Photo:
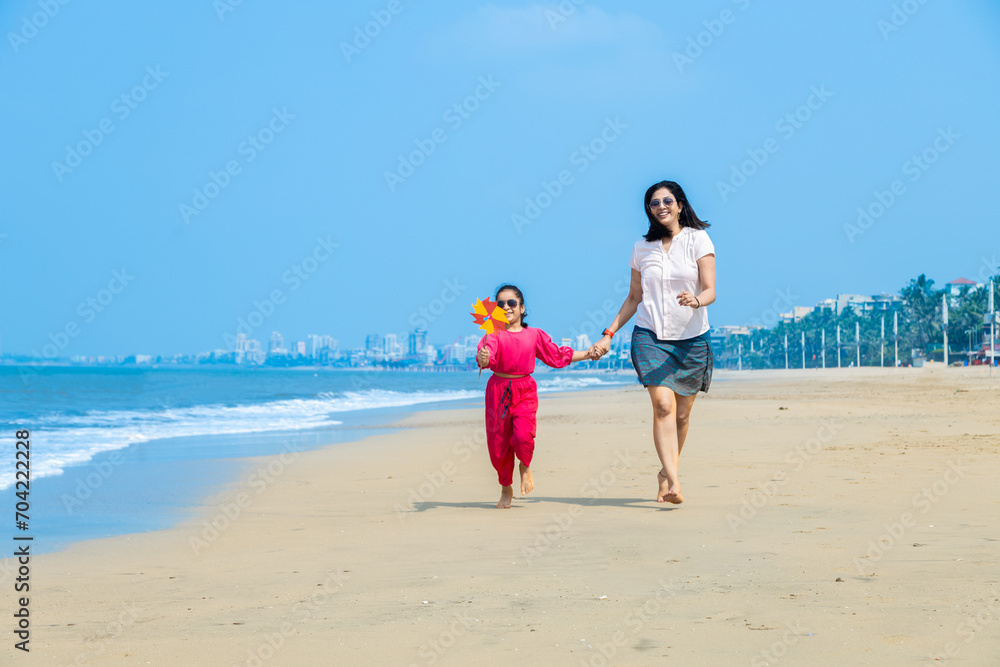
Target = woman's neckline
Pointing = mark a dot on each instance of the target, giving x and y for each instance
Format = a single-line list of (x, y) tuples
[(671, 239), (679, 232)]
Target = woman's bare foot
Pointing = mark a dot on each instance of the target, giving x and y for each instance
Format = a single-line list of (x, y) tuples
[(666, 494), (527, 482), (506, 495)]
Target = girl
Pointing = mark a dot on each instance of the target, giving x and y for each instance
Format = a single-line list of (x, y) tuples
[(511, 395)]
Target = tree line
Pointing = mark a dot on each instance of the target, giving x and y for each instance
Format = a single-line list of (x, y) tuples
[(920, 332)]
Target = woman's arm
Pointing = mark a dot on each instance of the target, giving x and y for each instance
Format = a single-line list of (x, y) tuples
[(625, 313), (706, 275)]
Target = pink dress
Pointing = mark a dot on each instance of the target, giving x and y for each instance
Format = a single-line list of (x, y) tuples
[(512, 403)]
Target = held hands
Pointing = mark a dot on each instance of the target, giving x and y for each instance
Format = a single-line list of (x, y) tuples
[(600, 348), (483, 358), (685, 298)]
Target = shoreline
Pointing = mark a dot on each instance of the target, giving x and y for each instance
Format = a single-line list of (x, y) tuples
[(161, 480), (328, 559)]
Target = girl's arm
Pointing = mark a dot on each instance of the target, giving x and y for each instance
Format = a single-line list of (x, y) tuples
[(580, 355), (554, 355), (487, 354), (625, 313)]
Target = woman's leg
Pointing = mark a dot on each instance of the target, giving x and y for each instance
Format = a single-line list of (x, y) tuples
[(665, 439), (684, 405)]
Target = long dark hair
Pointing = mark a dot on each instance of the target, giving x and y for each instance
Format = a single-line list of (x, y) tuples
[(688, 217), (520, 297)]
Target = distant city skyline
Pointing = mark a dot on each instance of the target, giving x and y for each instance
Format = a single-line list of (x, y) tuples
[(390, 346)]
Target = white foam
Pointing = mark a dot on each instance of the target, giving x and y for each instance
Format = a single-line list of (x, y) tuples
[(60, 441), (563, 383), (380, 398)]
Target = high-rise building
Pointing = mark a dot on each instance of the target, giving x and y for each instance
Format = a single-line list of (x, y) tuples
[(457, 352), (254, 353), (323, 348), (391, 347), (417, 342), (277, 344), (240, 348), (315, 345)]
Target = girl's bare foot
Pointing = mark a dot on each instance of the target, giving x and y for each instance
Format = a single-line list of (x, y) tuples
[(506, 495), (666, 494), (527, 482)]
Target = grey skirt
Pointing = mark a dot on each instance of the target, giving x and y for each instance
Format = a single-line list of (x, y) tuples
[(683, 365)]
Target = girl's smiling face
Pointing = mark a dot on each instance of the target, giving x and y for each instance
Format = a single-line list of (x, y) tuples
[(513, 313)]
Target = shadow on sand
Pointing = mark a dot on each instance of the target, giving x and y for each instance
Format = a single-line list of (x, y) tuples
[(533, 500)]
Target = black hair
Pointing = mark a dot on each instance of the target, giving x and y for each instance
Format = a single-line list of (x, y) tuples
[(688, 217), (520, 297)]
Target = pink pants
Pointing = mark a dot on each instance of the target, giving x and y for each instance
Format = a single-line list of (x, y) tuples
[(511, 405)]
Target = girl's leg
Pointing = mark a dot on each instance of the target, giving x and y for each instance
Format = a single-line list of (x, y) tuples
[(502, 457), (523, 413), (523, 438), (501, 453), (506, 497), (498, 441), (665, 439)]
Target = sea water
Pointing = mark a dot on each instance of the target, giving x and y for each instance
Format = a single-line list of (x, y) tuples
[(118, 450)]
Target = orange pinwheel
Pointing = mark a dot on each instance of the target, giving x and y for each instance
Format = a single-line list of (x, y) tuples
[(489, 316)]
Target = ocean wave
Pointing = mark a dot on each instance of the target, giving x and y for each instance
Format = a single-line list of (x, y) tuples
[(562, 383), (383, 398), (64, 440)]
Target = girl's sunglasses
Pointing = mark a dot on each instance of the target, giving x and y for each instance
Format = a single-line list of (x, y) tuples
[(509, 302)]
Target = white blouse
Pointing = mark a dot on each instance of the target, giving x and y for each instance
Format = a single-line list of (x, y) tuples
[(667, 273)]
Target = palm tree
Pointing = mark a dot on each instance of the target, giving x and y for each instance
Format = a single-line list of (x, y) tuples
[(920, 313)]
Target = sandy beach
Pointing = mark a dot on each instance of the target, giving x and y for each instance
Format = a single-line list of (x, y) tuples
[(831, 517)]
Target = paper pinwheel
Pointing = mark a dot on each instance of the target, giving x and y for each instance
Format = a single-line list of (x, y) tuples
[(489, 316)]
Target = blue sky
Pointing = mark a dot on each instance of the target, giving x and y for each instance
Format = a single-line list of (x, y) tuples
[(245, 170)]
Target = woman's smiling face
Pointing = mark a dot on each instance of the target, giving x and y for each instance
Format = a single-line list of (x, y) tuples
[(664, 207)]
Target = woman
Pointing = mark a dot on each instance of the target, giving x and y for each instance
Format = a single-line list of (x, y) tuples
[(673, 281)]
